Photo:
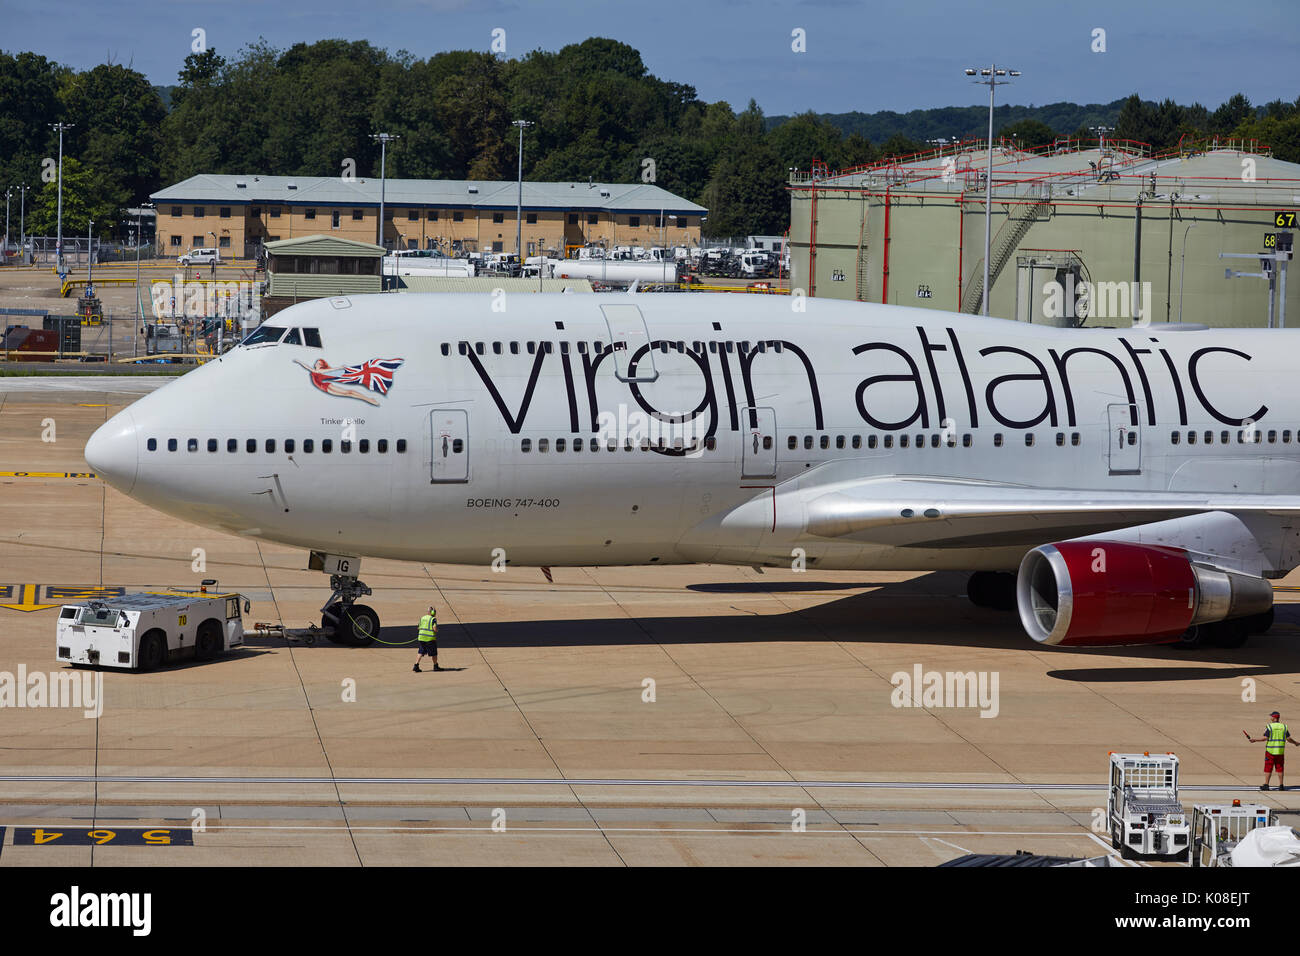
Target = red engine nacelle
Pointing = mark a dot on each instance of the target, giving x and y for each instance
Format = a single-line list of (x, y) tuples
[(1104, 593)]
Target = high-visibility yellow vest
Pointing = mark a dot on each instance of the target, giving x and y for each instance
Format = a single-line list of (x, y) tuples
[(1276, 738), (428, 628)]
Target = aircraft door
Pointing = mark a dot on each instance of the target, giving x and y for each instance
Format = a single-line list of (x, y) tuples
[(758, 443), (1125, 442), (449, 447)]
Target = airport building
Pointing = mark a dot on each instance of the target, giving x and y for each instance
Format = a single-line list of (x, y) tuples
[(1098, 233), (239, 213)]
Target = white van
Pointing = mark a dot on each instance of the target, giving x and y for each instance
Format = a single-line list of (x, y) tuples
[(199, 257)]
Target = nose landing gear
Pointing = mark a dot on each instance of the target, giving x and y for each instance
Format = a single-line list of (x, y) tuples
[(345, 621)]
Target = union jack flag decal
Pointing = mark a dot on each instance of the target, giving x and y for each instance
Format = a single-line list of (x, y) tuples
[(375, 375)]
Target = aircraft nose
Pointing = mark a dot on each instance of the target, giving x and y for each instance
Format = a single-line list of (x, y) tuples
[(113, 451)]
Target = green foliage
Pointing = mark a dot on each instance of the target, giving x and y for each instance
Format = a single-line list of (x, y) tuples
[(598, 115), (86, 195)]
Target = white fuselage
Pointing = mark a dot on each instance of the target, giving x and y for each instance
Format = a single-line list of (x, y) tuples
[(493, 397)]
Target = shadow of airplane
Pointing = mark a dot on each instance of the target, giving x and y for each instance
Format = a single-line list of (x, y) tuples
[(927, 611)]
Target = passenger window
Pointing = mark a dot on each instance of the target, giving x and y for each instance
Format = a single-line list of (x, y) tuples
[(478, 348), (212, 444), (326, 446), (1132, 438), (577, 444), (559, 444), (1174, 436), (532, 348), (934, 441), (292, 338), (767, 443), (1224, 438), (1191, 438), (857, 441), (543, 444), (1286, 437), (997, 440), (710, 443), (308, 446), (1029, 439), (597, 347), (889, 441), (401, 446), (582, 348), (270, 445), (807, 442), (1074, 438), (525, 445), (549, 346), (457, 446), (345, 446), (381, 446), (289, 446), (825, 441), (462, 348), (1272, 437), (232, 444), (792, 442), (612, 444), (839, 441), (152, 444), (1060, 439), (363, 445), (446, 349), (966, 440), (496, 348), (1209, 438), (250, 445), (904, 441), (192, 444), (871, 441), (514, 348)]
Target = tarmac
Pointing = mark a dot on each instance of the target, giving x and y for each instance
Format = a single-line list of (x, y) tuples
[(697, 715)]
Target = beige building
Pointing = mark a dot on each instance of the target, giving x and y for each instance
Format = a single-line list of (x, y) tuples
[(238, 214)]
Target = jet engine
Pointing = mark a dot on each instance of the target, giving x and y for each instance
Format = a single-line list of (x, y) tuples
[(1103, 593)]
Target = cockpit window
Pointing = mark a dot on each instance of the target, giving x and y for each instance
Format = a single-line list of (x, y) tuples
[(292, 338), (263, 335), (311, 338)]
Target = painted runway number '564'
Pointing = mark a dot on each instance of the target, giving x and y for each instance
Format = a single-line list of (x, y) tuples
[(85, 836)]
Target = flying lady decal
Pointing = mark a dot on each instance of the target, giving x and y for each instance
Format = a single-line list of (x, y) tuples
[(375, 375)]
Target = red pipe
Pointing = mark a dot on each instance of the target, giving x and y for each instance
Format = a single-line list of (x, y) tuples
[(961, 242)]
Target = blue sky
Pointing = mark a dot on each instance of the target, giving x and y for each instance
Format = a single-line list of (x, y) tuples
[(887, 54)]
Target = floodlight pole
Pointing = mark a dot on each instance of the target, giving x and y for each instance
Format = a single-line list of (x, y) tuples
[(58, 254), (521, 125), (383, 140), (992, 83)]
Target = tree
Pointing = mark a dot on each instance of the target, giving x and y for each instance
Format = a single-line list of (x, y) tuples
[(1029, 133), (85, 197)]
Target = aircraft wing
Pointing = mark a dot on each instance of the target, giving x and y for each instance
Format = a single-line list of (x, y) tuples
[(921, 512), (937, 513)]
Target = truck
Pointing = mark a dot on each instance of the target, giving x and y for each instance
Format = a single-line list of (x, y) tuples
[(146, 629), (1142, 807), (1218, 828)]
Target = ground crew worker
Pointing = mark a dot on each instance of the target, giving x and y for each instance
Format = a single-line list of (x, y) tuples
[(428, 639), (1275, 740)]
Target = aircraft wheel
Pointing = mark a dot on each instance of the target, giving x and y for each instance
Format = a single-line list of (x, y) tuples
[(1260, 623), (1192, 638), (358, 625), (992, 589), (1230, 634), (334, 625), (975, 589)]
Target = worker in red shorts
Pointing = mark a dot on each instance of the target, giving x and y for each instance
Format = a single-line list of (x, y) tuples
[(1275, 740)]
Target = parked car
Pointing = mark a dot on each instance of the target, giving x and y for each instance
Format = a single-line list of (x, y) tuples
[(199, 257)]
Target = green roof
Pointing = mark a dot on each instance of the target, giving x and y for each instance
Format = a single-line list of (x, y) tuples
[(324, 246)]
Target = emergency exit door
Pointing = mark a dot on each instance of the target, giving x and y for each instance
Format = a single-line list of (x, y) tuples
[(449, 434), (758, 442), (1125, 440)]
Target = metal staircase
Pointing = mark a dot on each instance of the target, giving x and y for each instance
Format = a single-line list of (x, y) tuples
[(1004, 244)]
